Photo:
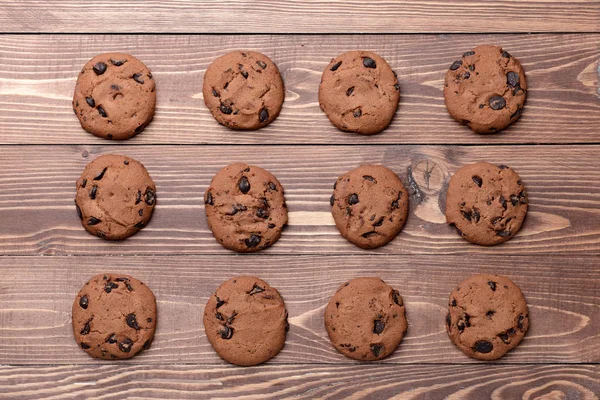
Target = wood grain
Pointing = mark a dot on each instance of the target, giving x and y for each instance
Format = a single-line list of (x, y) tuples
[(299, 16), (36, 295), (37, 188), (38, 73), (303, 382)]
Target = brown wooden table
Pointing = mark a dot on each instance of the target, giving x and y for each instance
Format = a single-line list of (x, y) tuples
[(46, 256)]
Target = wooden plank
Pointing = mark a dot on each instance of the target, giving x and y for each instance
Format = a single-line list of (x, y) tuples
[(563, 294), (299, 16), (302, 381), (38, 73), (37, 188)]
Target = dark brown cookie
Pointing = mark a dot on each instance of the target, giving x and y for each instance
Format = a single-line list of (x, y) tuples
[(487, 204), (369, 205), (115, 197), (246, 321), (486, 89), (487, 316), (114, 316), (359, 92), (243, 90), (245, 208), (365, 319), (115, 96)]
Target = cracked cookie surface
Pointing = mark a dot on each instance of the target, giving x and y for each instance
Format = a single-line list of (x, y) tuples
[(365, 319), (243, 90), (487, 316), (115, 96), (486, 203), (486, 89), (245, 208), (369, 205), (115, 197), (246, 321), (114, 316), (359, 92)]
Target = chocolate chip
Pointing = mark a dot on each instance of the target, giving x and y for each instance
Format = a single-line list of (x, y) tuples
[(369, 62), (244, 185), (523, 197), (357, 113), (505, 54), (244, 74), (460, 325), (112, 339), (256, 289), (478, 181), (125, 345), (455, 65), (517, 113), (93, 221), (209, 199), (475, 215), (110, 286), (126, 162), (93, 192), (483, 346), (225, 109), (379, 222), (85, 346), (514, 199), (261, 64), (503, 201), (492, 285), (349, 91), (102, 112), (467, 320), (90, 101), (376, 349), (271, 226), (468, 53), (83, 302), (146, 345), (466, 75), (448, 320), (150, 196), (512, 78), (215, 93), (332, 199), (503, 233), (353, 199), (336, 66), (226, 333), (138, 197), (99, 68), (466, 215), (520, 322), (471, 67), (378, 326), (367, 234), (497, 103), (453, 304), (132, 322), (139, 225), (219, 302), (369, 178), (504, 337), (397, 86), (397, 298), (263, 115), (138, 78), (253, 241), (117, 63), (490, 313), (101, 174)]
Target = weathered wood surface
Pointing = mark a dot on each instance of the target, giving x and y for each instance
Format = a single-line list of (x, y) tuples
[(38, 73), (37, 188), (457, 382), (303, 16), (36, 295)]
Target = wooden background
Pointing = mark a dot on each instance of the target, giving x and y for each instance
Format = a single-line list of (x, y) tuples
[(46, 256)]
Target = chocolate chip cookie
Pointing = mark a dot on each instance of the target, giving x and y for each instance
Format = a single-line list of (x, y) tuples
[(115, 96), (487, 316), (246, 321), (485, 89), (369, 205), (365, 319), (359, 92), (115, 197), (245, 208), (114, 316), (485, 203), (243, 90)]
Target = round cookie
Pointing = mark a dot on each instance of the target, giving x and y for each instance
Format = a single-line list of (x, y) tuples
[(243, 90), (246, 321), (487, 204), (487, 316), (115, 197), (486, 89), (115, 96), (369, 205), (359, 92), (114, 316), (245, 208), (365, 319)]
